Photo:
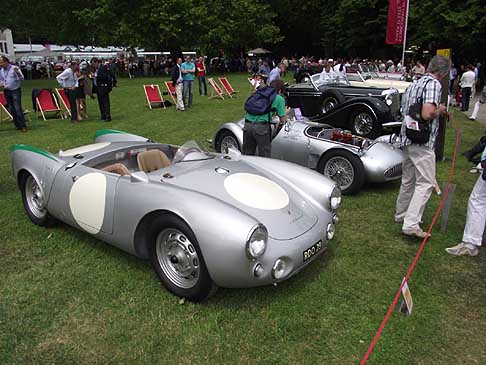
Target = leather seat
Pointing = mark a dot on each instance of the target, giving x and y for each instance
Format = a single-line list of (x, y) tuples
[(152, 160), (117, 168)]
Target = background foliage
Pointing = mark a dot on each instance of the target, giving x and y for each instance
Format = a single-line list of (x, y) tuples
[(351, 27)]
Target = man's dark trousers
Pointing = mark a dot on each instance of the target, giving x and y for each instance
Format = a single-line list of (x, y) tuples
[(466, 95), (71, 94), (14, 105), (104, 103), (256, 136)]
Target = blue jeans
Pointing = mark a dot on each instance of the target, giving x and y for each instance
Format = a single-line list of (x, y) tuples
[(14, 105), (187, 86)]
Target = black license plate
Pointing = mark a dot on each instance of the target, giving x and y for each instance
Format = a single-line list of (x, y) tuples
[(313, 250)]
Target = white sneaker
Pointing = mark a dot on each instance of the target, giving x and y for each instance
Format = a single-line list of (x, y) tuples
[(419, 233), (471, 118), (463, 249)]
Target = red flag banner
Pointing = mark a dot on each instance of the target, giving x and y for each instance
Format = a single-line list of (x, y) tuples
[(397, 18)]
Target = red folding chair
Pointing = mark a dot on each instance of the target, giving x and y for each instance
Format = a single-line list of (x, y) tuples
[(227, 86), (215, 88), (46, 103), (64, 101), (172, 91), (153, 95), (4, 113)]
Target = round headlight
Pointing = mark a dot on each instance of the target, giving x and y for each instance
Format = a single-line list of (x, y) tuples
[(335, 198), (278, 269), (330, 231), (257, 242)]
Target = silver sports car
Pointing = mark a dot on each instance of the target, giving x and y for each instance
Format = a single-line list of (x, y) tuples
[(204, 220), (347, 159)]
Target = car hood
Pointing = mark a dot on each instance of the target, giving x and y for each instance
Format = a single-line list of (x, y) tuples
[(401, 86), (284, 212)]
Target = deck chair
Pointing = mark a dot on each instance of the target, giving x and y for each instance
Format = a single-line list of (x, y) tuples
[(153, 95), (4, 113), (46, 103), (64, 101), (227, 86), (172, 91), (215, 88)]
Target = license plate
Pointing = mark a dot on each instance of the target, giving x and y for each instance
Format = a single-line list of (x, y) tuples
[(313, 250)]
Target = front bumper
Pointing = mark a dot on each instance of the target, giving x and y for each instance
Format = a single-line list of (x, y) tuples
[(291, 251)]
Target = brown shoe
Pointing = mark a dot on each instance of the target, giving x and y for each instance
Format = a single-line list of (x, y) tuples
[(23, 130)]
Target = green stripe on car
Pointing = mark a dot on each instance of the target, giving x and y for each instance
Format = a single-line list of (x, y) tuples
[(25, 147)]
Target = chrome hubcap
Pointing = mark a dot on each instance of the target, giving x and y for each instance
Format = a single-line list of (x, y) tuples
[(178, 258), (228, 142), (363, 124), (35, 198), (329, 104), (340, 170)]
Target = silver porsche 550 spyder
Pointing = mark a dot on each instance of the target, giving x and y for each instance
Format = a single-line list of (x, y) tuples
[(347, 159), (204, 220)]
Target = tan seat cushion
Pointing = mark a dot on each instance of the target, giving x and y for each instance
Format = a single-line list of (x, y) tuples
[(152, 160), (117, 168)]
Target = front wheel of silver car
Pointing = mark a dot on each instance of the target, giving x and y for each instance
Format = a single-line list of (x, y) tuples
[(345, 169), (225, 141), (34, 201), (178, 261)]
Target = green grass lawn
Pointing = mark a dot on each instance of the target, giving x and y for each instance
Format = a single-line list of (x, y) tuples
[(66, 297)]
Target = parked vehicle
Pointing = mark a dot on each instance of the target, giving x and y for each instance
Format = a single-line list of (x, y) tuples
[(203, 219)]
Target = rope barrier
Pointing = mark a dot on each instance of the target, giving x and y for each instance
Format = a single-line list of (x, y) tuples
[(419, 252)]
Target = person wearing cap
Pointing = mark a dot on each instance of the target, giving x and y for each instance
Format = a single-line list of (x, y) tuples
[(482, 100)]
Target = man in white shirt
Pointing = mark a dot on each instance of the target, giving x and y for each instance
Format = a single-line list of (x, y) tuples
[(69, 81), (340, 68), (328, 73), (467, 81)]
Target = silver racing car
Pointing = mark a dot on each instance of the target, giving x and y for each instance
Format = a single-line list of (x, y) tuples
[(347, 159), (203, 219)]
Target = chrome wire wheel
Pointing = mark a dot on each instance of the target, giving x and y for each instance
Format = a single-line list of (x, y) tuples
[(340, 170), (177, 258), (330, 103), (363, 124), (227, 142), (35, 198)]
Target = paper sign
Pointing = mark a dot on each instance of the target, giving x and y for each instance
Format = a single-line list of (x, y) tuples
[(407, 296), (446, 52)]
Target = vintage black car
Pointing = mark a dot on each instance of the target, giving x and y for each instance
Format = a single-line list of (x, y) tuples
[(366, 111)]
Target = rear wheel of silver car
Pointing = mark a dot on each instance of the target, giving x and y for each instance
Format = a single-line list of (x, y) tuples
[(178, 261), (34, 201), (364, 124), (226, 140), (345, 169)]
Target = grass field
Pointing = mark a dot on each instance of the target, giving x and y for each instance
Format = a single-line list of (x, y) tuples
[(66, 297)]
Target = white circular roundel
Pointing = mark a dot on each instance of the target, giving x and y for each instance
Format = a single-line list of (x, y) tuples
[(256, 191), (87, 201), (84, 149)]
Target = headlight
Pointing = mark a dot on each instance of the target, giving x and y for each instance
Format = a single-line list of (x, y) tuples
[(257, 242), (278, 269), (335, 198)]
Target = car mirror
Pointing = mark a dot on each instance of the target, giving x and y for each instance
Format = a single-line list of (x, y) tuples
[(139, 177)]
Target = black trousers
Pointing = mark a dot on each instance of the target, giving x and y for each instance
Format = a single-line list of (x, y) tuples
[(104, 104), (71, 94), (466, 95), (257, 136)]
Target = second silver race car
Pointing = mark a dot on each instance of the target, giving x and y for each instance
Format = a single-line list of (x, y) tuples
[(347, 159)]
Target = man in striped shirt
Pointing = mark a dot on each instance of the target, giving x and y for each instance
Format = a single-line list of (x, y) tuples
[(418, 169)]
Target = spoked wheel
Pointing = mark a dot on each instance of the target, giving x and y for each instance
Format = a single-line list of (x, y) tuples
[(35, 201), (178, 261), (364, 123), (227, 140), (345, 169)]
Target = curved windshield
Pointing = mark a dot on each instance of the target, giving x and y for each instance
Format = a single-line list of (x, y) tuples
[(321, 79), (191, 151)]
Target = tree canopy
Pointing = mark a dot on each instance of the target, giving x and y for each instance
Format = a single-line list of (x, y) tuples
[(346, 27)]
